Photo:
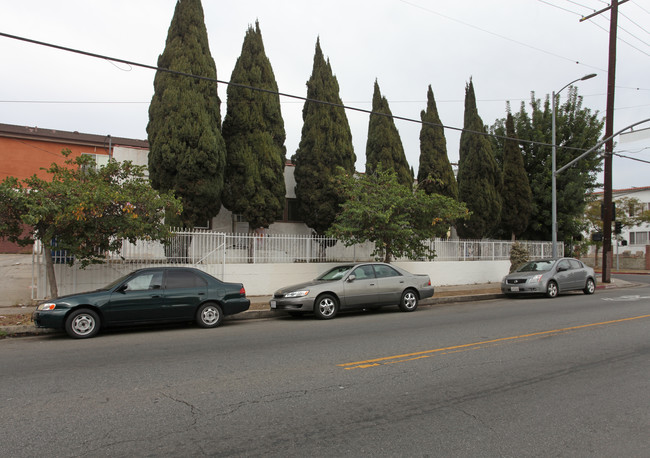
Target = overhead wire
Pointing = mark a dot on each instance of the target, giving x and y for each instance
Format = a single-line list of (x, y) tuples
[(281, 94), (269, 91), (467, 24), (600, 26)]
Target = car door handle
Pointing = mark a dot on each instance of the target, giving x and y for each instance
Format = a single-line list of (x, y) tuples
[(372, 284), (201, 294), (155, 296)]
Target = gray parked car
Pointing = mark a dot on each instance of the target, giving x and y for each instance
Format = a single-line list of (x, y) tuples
[(550, 277), (354, 286)]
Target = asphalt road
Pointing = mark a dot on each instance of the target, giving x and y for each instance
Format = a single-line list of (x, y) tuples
[(530, 377)]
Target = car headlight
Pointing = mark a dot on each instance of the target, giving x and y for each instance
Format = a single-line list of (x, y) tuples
[(47, 306), (300, 293), (535, 279)]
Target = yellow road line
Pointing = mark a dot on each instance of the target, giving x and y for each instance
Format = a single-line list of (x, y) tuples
[(426, 353)]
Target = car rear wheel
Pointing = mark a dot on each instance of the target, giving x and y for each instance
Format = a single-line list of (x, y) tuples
[(209, 315), (590, 287), (409, 301), (82, 324), (551, 289), (326, 307)]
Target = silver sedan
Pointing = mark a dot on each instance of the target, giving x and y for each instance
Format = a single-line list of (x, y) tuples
[(550, 277), (354, 286)]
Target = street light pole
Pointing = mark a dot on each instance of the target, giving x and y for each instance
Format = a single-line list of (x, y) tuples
[(554, 166)]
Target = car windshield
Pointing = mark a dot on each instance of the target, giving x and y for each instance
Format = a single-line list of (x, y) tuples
[(536, 266), (335, 274)]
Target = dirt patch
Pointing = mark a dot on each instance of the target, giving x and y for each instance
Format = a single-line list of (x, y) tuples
[(16, 319)]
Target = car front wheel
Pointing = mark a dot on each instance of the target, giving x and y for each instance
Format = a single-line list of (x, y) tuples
[(209, 315), (551, 289), (326, 307), (590, 287), (82, 324), (409, 301)]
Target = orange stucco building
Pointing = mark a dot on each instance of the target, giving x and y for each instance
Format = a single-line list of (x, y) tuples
[(25, 151)]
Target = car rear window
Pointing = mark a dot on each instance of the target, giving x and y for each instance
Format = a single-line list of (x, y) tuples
[(183, 279)]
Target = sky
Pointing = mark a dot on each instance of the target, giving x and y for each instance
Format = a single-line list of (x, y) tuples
[(509, 48)]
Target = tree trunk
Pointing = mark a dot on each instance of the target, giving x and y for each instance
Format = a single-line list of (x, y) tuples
[(387, 254), (49, 269)]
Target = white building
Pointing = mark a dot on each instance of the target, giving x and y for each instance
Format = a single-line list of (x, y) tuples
[(289, 224), (632, 239)]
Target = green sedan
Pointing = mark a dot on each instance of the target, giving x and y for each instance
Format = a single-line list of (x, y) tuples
[(152, 295)]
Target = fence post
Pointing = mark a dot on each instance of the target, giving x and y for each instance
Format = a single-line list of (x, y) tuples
[(254, 242)]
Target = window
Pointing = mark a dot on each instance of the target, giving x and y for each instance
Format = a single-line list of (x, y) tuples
[(183, 279), (363, 272), (638, 238), (575, 264), (385, 271), (100, 159), (144, 281)]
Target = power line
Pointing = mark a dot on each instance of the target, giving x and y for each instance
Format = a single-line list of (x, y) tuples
[(603, 28), (503, 37), (269, 91), (631, 158)]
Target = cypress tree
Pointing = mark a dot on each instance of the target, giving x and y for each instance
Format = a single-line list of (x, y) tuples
[(435, 174), (254, 132), (479, 177), (384, 145), (187, 152), (325, 145), (516, 193)]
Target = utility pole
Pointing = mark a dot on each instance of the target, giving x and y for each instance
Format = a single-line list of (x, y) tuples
[(609, 146)]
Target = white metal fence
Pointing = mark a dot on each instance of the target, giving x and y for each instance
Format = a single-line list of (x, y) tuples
[(207, 247), (213, 251)]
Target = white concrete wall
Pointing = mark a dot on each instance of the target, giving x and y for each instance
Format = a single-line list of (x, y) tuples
[(264, 279), (138, 156)]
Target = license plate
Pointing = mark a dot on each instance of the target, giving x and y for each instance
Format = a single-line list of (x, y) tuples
[(273, 304), (514, 288)]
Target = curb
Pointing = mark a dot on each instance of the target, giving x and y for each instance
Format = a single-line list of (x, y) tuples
[(28, 331)]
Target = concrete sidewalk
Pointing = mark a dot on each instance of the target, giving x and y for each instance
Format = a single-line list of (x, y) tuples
[(260, 308)]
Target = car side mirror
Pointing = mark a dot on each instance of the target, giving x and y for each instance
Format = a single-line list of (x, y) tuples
[(562, 269), (122, 288), (352, 277)]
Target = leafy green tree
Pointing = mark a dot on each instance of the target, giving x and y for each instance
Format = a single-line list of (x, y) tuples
[(577, 129), (254, 132), (516, 192), (629, 213), (435, 175), (325, 145), (479, 176), (384, 144), (84, 209), (187, 152), (395, 217)]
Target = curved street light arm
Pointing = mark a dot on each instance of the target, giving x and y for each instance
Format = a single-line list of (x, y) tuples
[(598, 145)]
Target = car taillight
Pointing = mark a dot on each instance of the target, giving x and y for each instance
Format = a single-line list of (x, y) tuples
[(242, 291)]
